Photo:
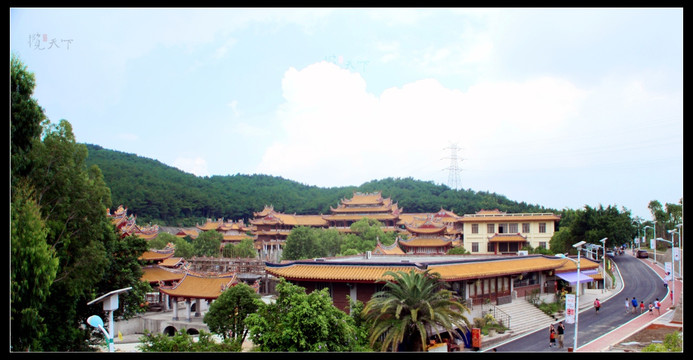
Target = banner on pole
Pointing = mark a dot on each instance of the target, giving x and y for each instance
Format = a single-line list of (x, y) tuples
[(667, 270), (570, 308)]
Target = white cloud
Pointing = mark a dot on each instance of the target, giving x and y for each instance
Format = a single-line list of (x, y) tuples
[(234, 107), (224, 48), (337, 133), (196, 166)]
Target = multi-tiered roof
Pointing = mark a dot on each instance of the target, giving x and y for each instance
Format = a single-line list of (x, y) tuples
[(364, 205), (428, 237)]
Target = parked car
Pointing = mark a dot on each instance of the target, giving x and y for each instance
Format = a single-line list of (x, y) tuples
[(642, 254), (610, 254)]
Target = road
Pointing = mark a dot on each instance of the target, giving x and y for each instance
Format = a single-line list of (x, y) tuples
[(638, 280)]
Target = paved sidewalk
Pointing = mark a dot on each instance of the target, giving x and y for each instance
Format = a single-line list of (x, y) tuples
[(614, 337)]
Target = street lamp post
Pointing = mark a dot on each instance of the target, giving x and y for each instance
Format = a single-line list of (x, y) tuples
[(654, 235), (96, 322), (680, 226), (638, 238), (673, 275), (603, 241), (578, 246)]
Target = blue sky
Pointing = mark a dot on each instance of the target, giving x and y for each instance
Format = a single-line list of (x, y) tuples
[(557, 107)]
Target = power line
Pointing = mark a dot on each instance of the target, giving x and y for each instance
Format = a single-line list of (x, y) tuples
[(454, 170)]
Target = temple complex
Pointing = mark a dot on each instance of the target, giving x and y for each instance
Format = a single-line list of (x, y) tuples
[(484, 232)]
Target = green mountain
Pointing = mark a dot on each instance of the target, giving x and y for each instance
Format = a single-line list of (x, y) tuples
[(160, 194)]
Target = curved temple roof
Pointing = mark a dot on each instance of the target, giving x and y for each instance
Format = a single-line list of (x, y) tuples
[(451, 270)]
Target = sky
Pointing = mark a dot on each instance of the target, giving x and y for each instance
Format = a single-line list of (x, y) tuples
[(560, 107)]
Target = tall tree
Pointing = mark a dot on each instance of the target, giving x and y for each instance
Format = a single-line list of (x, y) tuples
[(302, 322), (591, 225), (410, 304), (226, 315), (73, 202), (302, 243), (26, 117), (208, 244), (33, 268)]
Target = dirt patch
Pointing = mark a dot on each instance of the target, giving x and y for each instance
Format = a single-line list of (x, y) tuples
[(644, 337)]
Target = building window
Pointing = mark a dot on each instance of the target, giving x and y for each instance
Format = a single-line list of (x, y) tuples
[(491, 247), (502, 228), (542, 227), (525, 227), (542, 244), (475, 247), (526, 280), (513, 228), (475, 228), (491, 228)]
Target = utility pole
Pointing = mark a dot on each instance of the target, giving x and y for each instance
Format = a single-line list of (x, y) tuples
[(453, 170)]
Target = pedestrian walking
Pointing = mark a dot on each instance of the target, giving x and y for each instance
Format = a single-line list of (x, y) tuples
[(597, 305), (657, 305), (560, 331), (552, 336), (634, 303), (651, 307), (642, 307), (627, 306)]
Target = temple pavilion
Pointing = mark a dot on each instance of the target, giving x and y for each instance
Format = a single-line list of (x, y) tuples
[(364, 205), (428, 237)]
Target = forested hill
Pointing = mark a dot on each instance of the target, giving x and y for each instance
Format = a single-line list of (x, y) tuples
[(164, 195)]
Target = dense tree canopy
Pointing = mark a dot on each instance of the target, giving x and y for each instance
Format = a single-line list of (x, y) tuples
[(591, 225), (34, 266), (50, 175), (226, 315), (208, 243), (164, 195), (303, 322)]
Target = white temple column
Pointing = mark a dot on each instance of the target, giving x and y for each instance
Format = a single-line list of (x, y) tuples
[(198, 311), (188, 305), (175, 309)]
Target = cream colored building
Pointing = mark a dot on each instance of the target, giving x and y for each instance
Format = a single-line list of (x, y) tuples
[(497, 232)]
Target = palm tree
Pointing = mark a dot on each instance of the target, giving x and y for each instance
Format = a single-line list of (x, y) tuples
[(409, 304)]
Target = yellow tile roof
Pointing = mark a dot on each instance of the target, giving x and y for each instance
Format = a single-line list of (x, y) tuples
[(426, 242), (357, 217), (426, 230), (585, 264), (507, 237), (392, 249), (338, 272), (360, 209), (146, 236), (200, 287), (153, 255), (172, 261), (449, 271), (154, 274), (481, 269)]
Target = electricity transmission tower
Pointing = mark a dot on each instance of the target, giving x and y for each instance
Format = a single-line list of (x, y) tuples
[(453, 170)]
